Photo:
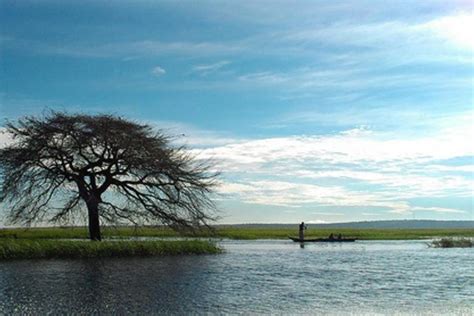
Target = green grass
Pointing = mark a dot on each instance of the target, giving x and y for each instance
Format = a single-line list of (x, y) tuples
[(233, 232), (364, 234), (453, 243), (70, 249), (35, 243)]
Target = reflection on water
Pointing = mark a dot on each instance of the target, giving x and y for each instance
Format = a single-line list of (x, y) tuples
[(269, 277)]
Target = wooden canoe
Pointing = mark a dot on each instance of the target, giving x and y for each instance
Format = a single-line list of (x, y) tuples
[(322, 239)]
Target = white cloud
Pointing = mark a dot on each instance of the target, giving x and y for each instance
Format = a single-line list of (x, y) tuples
[(393, 34), (413, 184), (295, 195), (357, 168), (158, 71), (352, 147), (210, 68), (457, 29), (316, 221)]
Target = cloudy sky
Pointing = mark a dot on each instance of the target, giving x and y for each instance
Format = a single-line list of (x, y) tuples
[(322, 111)]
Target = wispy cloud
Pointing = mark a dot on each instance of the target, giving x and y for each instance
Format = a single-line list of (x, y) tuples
[(265, 78), (280, 193), (210, 68), (313, 81), (345, 105), (389, 41), (126, 50), (399, 118)]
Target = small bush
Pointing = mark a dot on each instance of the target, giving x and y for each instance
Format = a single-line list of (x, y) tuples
[(452, 243)]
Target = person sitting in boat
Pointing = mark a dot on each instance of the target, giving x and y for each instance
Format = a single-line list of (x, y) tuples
[(331, 236), (302, 229), (339, 236)]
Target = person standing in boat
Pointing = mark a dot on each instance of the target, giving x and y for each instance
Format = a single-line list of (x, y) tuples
[(302, 229)]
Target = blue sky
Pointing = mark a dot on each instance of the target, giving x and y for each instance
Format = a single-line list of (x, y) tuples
[(323, 111)]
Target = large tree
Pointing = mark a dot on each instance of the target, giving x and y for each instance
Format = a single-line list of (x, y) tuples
[(120, 170)]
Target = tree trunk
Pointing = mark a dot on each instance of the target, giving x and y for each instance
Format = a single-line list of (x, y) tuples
[(94, 225)]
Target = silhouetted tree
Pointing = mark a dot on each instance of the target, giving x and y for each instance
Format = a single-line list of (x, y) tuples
[(121, 170)]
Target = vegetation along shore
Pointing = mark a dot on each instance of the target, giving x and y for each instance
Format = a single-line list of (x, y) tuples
[(452, 243), (71, 242), (236, 232), (76, 249)]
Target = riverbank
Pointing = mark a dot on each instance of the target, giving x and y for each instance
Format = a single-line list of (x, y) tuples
[(76, 249), (232, 232)]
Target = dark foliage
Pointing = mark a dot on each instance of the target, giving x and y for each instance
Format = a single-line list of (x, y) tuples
[(122, 171)]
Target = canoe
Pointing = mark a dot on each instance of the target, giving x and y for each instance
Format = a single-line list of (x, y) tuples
[(322, 239)]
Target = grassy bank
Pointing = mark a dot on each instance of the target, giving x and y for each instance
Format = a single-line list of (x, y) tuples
[(364, 234), (453, 243), (67, 249), (237, 233)]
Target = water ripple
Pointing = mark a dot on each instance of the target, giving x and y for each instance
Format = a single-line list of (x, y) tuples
[(252, 277)]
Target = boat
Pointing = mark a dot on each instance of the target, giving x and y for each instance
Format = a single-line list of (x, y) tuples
[(322, 239)]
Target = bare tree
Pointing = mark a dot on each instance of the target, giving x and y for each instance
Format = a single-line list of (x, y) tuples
[(122, 171)]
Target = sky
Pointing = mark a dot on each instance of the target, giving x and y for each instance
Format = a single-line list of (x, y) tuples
[(315, 111)]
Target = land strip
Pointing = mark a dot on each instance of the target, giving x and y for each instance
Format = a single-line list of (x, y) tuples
[(79, 249), (235, 232)]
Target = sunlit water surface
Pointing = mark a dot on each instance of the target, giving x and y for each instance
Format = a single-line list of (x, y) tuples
[(252, 277)]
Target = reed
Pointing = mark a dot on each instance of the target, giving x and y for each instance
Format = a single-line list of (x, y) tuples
[(235, 232), (452, 243), (74, 249)]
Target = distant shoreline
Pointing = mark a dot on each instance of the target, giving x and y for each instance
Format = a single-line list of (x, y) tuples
[(243, 232)]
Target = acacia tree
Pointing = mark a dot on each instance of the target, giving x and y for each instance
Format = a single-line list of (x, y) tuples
[(122, 171)]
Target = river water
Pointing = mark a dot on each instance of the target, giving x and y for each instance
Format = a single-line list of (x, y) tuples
[(251, 277)]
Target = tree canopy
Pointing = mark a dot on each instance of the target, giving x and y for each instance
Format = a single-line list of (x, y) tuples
[(120, 170)]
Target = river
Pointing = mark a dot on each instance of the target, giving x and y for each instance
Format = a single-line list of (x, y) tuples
[(251, 277)]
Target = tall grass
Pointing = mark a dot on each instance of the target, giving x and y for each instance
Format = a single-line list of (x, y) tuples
[(233, 232), (65, 249), (452, 243), (363, 234)]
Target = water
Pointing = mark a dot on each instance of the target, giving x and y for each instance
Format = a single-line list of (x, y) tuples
[(252, 277)]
